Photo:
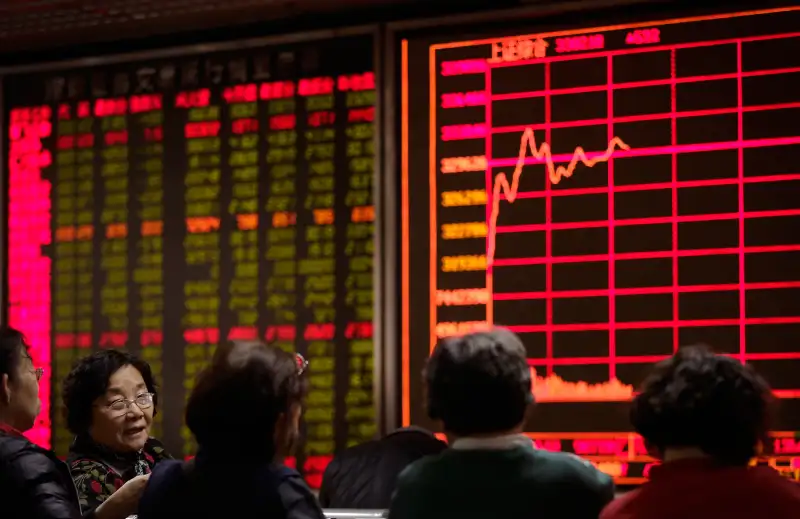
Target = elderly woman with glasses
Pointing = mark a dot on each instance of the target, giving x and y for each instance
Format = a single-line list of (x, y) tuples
[(110, 399)]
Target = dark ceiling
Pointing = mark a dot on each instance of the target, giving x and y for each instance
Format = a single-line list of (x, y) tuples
[(34, 31), (62, 28)]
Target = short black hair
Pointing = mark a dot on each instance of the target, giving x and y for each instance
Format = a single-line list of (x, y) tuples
[(479, 383), (235, 404), (12, 346), (88, 381), (707, 401)]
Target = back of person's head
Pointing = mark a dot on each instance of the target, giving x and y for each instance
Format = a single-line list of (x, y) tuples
[(19, 388), (697, 399), (248, 401), (479, 384)]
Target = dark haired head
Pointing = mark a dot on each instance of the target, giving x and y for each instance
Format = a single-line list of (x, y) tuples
[(701, 400), (479, 383), (89, 380), (239, 399), (19, 386), (13, 346)]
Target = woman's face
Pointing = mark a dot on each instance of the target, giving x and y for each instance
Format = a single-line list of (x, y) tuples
[(128, 429), (22, 393)]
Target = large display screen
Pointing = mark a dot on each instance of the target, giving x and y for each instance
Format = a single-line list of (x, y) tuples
[(170, 205), (609, 194)]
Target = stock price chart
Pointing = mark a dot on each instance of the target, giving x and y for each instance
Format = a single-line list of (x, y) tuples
[(168, 206), (610, 195)]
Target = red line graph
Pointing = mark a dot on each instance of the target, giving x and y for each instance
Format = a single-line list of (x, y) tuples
[(555, 174), (554, 207)]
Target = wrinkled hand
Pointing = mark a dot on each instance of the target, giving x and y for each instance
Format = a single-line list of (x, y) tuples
[(125, 501)]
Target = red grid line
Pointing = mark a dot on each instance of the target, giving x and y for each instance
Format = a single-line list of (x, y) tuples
[(489, 191), (673, 100), (605, 292), (656, 150), (654, 186), (742, 212), (654, 220), (645, 50), (643, 325), (648, 359), (641, 84), (548, 115), (622, 256), (646, 117), (612, 310)]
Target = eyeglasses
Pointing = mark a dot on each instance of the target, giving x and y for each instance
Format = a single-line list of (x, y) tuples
[(122, 405), (302, 363)]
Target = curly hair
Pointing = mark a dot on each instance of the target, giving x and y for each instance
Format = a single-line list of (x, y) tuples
[(479, 383), (699, 399), (88, 381), (235, 404)]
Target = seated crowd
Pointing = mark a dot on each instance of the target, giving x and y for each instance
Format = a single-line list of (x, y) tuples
[(704, 416)]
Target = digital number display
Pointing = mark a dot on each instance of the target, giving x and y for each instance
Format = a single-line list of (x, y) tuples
[(169, 206), (608, 194)]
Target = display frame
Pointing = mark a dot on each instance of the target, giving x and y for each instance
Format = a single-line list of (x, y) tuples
[(381, 391), (527, 20)]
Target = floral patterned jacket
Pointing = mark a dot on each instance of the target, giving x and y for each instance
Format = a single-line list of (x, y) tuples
[(99, 472)]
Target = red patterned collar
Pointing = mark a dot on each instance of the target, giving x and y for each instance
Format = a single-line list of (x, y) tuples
[(7, 429)]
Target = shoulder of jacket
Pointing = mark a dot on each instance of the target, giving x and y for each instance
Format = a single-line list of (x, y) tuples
[(572, 465), (25, 458)]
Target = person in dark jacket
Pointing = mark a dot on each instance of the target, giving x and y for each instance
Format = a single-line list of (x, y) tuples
[(479, 387), (34, 484), (244, 412), (364, 476)]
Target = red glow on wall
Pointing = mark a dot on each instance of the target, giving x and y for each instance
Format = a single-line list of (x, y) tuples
[(580, 43), (64, 112), (241, 126), (85, 140), (151, 338), (465, 66), (356, 82), (73, 340), (285, 332), (113, 339), (201, 336), (324, 118), (357, 115), (193, 99), (241, 94), (243, 333), (145, 103), (202, 129), (320, 332), (643, 37), (276, 90), (462, 99), (155, 134), (282, 122), (315, 86), (29, 233), (110, 107), (65, 142), (116, 138), (358, 330), (84, 109)]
